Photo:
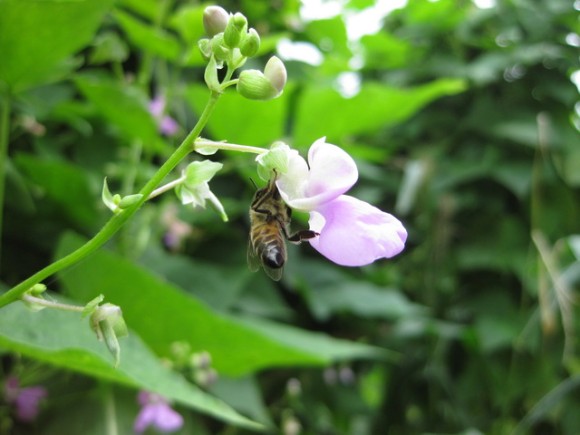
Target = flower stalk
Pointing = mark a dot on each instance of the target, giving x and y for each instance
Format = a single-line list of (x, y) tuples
[(208, 147)]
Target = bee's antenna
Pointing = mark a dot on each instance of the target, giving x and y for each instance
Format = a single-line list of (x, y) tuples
[(255, 185)]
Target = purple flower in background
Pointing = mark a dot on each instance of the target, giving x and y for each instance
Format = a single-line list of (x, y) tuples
[(352, 232), (26, 401), (167, 125), (156, 412)]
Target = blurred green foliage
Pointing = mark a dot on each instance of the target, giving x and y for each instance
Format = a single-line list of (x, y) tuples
[(464, 125)]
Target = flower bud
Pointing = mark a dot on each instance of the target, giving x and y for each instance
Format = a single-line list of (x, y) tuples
[(215, 20), (201, 360), (275, 71), (234, 30), (108, 323), (250, 44), (255, 85), (218, 47), (129, 200)]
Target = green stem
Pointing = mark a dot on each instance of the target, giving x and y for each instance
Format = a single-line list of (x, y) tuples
[(117, 221), (166, 187), (49, 304), (110, 412), (4, 134)]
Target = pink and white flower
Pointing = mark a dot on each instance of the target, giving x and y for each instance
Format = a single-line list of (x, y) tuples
[(156, 412), (352, 232), (26, 401)]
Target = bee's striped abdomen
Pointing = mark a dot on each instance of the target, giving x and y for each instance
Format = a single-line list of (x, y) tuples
[(269, 245)]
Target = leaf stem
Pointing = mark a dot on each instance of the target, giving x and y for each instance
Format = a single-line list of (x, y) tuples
[(116, 221)]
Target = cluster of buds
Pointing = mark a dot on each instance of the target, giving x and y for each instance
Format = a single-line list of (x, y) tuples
[(230, 42), (196, 366)]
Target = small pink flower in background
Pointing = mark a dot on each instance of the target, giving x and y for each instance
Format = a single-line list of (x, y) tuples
[(352, 232), (167, 125), (26, 401), (156, 412)]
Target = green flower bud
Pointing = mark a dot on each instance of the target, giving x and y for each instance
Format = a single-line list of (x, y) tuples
[(251, 43), (234, 30), (275, 159), (218, 47), (37, 289), (240, 22), (129, 200), (215, 20), (255, 85)]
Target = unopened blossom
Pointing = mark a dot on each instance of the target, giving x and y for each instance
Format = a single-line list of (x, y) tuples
[(26, 401), (166, 124), (156, 412), (195, 188), (352, 232)]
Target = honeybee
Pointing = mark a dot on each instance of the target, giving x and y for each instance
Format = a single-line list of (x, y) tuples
[(269, 228)]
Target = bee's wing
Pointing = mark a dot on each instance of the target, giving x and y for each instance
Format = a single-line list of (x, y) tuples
[(254, 261), (275, 274)]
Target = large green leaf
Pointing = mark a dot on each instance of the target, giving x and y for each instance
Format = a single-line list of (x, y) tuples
[(149, 38), (37, 36), (65, 340), (70, 191), (323, 111), (124, 106), (163, 314), (239, 120)]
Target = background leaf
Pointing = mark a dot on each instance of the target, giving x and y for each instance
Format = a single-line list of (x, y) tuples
[(60, 29), (56, 338)]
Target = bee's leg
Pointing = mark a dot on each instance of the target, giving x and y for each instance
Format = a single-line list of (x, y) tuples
[(302, 235)]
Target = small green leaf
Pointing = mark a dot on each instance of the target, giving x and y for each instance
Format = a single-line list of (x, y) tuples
[(91, 305), (211, 76), (108, 198)]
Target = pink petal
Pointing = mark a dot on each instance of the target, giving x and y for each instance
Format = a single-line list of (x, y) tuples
[(145, 418), (332, 173), (28, 401), (157, 413), (167, 419), (355, 233)]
